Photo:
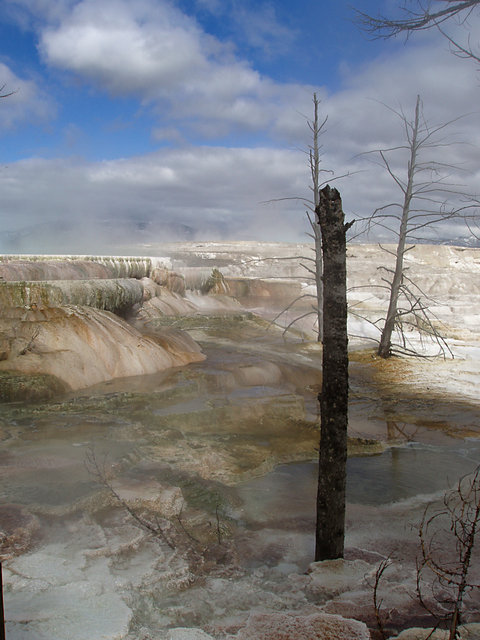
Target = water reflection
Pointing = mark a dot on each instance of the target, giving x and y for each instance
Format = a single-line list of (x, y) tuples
[(403, 472), (289, 492), (401, 431)]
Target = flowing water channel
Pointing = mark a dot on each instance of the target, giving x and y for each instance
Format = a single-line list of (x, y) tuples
[(233, 437)]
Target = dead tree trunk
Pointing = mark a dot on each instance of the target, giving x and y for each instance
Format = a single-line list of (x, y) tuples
[(316, 129), (2, 613), (330, 529), (385, 346)]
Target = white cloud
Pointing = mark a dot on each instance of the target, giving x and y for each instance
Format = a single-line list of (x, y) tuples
[(214, 192), (193, 81), (253, 23), (28, 102), (168, 134), (154, 52), (208, 191), (359, 122), (126, 47), (259, 26), (27, 13)]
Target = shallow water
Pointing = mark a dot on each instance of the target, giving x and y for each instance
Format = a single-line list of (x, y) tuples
[(397, 474), (232, 399), (219, 430), (277, 512)]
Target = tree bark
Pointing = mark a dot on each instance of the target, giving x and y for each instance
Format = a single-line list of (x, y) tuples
[(316, 129), (385, 345), (319, 280), (2, 613), (330, 528)]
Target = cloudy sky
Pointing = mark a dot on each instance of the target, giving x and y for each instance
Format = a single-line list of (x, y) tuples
[(134, 122)]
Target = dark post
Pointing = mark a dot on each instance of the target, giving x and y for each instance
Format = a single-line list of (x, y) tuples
[(2, 613), (330, 529)]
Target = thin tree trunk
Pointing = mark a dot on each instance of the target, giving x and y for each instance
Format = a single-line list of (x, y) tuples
[(319, 280), (315, 170), (385, 346), (2, 612), (330, 529)]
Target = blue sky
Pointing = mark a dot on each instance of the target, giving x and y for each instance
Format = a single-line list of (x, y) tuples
[(303, 46), (140, 121)]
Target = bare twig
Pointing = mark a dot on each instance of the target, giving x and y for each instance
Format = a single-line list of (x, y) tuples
[(450, 581), (30, 342), (99, 472), (377, 601), (424, 202)]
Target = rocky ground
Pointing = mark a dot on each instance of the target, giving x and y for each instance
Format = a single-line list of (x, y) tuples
[(185, 443)]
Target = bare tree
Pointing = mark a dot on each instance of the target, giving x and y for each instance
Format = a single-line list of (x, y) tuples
[(431, 14), (314, 159), (332, 472), (473, 225), (313, 265), (2, 612), (446, 584), (4, 93), (161, 530), (377, 600), (425, 201), (200, 544), (447, 541)]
